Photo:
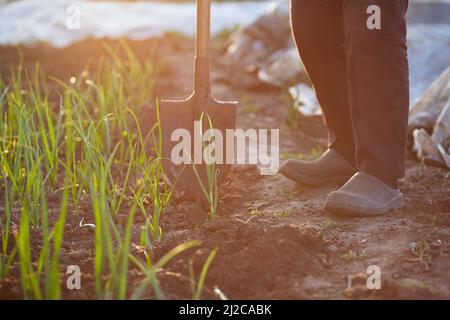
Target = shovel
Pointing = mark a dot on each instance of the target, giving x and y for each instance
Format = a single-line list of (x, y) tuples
[(200, 104)]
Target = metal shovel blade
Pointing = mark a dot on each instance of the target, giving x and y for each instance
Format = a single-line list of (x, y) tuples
[(181, 115)]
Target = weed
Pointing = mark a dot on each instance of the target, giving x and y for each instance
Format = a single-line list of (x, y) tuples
[(274, 213), (312, 154), (326, 224), (353, 255), (248, 105), (421, 252)]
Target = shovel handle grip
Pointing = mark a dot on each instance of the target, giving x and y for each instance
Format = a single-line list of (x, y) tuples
[(203, 28)]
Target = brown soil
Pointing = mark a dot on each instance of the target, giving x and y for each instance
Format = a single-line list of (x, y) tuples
[(275, 241)]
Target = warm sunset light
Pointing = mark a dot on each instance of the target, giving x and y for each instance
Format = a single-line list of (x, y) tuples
[(224, 150)]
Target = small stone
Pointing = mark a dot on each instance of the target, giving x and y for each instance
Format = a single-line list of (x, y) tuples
[(333, 248), (313, 284)]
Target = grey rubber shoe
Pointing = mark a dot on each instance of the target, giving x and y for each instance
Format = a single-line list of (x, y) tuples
[(330, 167), (364, 195)]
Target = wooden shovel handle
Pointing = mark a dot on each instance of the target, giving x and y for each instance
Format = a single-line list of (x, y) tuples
[(203, 28)]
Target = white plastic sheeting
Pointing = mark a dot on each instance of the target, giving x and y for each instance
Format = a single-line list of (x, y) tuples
[(430, 122), (429, 55), (28, 21)]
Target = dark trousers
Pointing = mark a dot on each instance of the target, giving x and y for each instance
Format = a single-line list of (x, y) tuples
[(360, 76)]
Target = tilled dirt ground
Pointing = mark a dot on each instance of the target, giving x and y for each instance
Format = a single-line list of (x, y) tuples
[(275, 240)]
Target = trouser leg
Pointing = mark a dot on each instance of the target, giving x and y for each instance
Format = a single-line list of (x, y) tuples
[(378, 86), (318, 29)]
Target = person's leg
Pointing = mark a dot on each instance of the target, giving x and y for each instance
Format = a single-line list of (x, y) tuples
[(318, 29), (319, 34), (378, 86)]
